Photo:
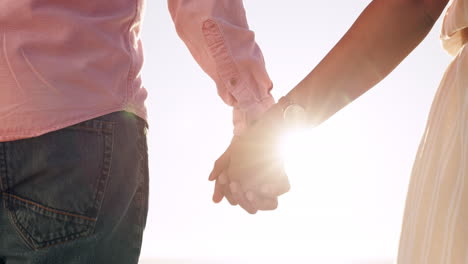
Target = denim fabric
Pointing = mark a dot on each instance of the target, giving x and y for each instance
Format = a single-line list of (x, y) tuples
[(76, 195)]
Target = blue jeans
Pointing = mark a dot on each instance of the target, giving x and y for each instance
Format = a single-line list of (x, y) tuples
[(76, 195)]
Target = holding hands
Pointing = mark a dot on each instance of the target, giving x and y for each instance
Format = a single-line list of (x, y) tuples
[(250, 173)]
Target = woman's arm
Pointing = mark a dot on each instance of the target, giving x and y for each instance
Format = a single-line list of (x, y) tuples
[(383, 35)]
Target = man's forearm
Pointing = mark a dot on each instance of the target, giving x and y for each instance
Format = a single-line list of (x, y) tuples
[(218, 36), (383, 35)]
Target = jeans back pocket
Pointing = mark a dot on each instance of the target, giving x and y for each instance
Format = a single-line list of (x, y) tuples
[(53, 185)]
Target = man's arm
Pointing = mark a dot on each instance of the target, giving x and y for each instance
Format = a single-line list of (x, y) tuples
[(217, 34)]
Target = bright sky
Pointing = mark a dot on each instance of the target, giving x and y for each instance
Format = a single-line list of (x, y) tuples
[(349, 180)]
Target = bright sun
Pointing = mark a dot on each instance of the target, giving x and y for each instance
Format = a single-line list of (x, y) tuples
[(318, 163), (309, 150)]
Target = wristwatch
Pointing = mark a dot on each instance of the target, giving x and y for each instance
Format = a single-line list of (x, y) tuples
[(294, 115)]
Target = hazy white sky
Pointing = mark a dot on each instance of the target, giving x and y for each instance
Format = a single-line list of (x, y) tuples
[(349, 183)]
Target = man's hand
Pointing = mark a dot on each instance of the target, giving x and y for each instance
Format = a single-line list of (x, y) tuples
[(222, 182), (251, 173), (234, 192)]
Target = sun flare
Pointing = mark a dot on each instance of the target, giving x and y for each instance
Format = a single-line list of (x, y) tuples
[(317, 162), (302, 149)]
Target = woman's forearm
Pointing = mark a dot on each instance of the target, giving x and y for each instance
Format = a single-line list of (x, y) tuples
[(383, 35)]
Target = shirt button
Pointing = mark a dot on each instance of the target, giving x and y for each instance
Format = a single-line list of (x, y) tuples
[(233, 82)]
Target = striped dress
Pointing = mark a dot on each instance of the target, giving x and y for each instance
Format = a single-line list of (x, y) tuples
[(435, 224)]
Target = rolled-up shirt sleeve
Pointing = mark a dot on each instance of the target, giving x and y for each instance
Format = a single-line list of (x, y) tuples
[(218, 37)]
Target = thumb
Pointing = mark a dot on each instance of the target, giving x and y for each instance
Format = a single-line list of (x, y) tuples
[(222, 162), (220, 165)]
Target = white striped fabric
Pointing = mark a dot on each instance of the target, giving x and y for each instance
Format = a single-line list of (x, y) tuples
[(435, 224)]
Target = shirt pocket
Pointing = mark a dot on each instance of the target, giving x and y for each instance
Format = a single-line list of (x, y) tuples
[(53, 185)]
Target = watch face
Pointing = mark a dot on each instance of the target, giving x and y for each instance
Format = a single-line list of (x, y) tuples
[(295, 115)]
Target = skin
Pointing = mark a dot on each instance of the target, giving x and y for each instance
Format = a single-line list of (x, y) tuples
[(385, 33)]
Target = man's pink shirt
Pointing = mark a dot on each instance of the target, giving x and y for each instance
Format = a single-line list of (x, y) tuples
[(64, 62)]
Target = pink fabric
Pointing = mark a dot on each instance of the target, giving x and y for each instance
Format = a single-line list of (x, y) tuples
[(218, 36), (64, 62)]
